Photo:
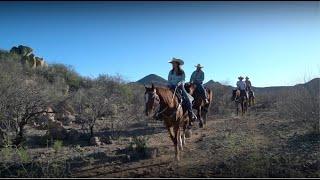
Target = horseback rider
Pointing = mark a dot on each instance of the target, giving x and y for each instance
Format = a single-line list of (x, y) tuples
[(241, 85), (176, 79), (248, 84), (197, 78)]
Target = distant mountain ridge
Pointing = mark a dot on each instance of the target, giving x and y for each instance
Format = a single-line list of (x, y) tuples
[(158, 80)]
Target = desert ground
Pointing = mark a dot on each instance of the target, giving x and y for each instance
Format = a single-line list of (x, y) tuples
[(258, 144)]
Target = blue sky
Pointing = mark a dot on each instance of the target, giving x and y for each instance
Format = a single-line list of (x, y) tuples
[(274, 43)]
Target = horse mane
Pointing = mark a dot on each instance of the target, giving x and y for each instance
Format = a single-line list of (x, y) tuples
[(165, 94)]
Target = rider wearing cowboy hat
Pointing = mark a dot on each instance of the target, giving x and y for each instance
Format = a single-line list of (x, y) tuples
[(197, 78), (176, 78), (248, 84), (241, 85)]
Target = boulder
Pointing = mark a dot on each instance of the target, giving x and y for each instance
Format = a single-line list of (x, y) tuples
[(15, 50), (28, 58), (43, 120), (65, 117), (68, 120), (39, 62), (56, 130), (32, 61), (25, 50), (21, 50), (95, 141), (106, 140)]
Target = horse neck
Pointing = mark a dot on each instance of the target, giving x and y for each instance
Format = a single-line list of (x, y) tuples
[(192, 89), (165, 96)]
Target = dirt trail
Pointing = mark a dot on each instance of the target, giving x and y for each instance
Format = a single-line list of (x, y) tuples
[(206, 150)]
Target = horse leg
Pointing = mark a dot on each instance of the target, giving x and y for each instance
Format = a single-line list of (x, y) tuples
[(204, 116), (170, 134), (184, 134), (180, 139), (175, 142), (199, 117), (237, 107), (242, 106)]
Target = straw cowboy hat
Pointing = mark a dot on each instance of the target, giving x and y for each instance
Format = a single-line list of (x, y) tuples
[(198, 66), (240, 77), (179, 61)]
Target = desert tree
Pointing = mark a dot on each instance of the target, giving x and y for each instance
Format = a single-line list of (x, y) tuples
[(23, 98), (105, 99)]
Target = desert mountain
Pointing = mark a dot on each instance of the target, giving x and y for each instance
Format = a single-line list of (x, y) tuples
[(152, 78)]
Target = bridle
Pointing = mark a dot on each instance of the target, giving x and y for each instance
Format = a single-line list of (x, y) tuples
[(156, 102)]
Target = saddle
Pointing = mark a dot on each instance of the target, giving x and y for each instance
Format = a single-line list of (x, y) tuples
[(178, 94), (236, 94)]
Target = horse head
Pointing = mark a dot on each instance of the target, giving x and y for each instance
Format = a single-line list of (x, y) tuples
[(238, 93), (190, 87), (151, 99)]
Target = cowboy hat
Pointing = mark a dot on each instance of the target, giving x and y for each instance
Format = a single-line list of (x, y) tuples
[(198, 66), (179, 61), (247, 77), (240, 77)]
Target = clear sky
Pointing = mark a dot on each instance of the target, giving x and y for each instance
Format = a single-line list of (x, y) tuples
[(274, 43)]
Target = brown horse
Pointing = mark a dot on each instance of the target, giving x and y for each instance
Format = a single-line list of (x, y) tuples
[(199, 103), (240, 99), (251, 98), (171, 113)]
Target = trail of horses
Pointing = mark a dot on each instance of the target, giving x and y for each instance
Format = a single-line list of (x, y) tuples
[(226, 146)]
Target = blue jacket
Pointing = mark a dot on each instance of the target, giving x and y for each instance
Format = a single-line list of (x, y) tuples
[(174, 79), (197, 77)]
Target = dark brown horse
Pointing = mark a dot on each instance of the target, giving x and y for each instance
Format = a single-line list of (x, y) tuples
[(251, 98), (171, 113), (199, 103), (240, 99)]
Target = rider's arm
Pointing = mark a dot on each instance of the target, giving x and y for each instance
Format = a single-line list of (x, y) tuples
[(170, 78), (183, 78), (201, 77), (192, 77)]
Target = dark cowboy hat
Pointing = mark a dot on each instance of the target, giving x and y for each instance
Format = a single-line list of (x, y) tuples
[(199, 65), (179, 61), (240, 77)]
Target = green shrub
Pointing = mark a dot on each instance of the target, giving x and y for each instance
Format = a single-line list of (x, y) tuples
[(57, 146)]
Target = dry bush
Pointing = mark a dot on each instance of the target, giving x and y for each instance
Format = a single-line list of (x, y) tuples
[(18, 163), (222, 104), (108, 99), (303, 106), (24, 95)]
